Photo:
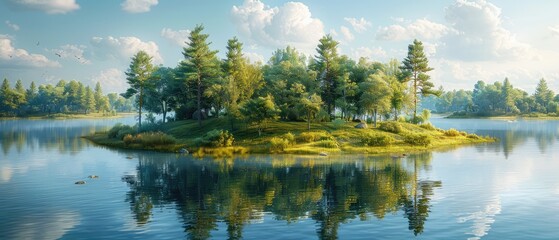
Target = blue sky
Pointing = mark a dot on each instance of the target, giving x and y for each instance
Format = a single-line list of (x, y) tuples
[(466, 40)]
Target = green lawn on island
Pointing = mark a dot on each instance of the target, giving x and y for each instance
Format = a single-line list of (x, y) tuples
[(328, 137)]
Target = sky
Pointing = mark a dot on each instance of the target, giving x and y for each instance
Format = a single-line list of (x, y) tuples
[(465, 40)]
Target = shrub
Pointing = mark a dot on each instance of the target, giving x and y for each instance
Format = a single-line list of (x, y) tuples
[(119, 130), (428, 126), (393, 127), (452, 132), (278, 144), (314, 136), (376, 139), (128, 139), (338, 123), (327, 144), (417, 139), (473, 136), (150, 127), (290, 138), (218, 138)]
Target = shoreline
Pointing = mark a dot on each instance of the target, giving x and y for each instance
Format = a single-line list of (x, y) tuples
[(63, 116)]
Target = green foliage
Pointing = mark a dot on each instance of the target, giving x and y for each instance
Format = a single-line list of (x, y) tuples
[(330, 143), (376, 139), (218, 138), (278, 144), (393, 127), (138, 77), (417, 139), (150, 127), (259, 111), (338, 123), (428, 126), (149, 139), (308, 137), (452, 133), (119, 130), (290, 137)]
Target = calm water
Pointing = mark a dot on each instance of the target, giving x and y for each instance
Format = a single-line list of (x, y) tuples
[(505, 190)]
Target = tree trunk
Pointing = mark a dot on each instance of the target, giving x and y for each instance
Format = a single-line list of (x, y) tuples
[(308, 121), (375, 117), (199, 99), (414, 98), (164, 111), (140, 106)]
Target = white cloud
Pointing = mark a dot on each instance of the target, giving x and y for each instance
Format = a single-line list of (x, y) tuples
[(254, 57), (359, 25), (112, 79), (13, 26), (73, 52), (179, 37), (346, 33), (479, 34), (291, 24), (420, 29), (48, 6), (11, 57), (370, 53), (138, 6), (123, 48), (554, 30)]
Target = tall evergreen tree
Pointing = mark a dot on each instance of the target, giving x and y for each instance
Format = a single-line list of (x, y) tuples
[(199, 65), (99, 104), (543, 95), (138, 75), (415, 67), (327, 68)]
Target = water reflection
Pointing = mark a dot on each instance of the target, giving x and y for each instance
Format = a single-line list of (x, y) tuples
[(241, 191)]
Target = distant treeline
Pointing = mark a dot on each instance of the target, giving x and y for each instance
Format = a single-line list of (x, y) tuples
[(499, 98), (64, 97)]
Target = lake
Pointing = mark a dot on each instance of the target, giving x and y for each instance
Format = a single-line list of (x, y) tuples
[(503, 190)]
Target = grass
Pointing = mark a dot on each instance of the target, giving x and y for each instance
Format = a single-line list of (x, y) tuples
[(293, 138)]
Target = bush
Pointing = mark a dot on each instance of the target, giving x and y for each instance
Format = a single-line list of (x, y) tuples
[(327, 144), (278, 144), (473, 136), (417, 139), (452, 133), (119, 130), (150, 127), (428, 126), (218, 138), (149, 139), (338, 123), (314, 136), (290, 138), (393, 127), (376, 139)]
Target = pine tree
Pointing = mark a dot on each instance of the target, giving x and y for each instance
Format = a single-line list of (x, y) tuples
[(138, 75), (99, 104), (415, 67), (327, 67), (543, 95), (200, 65)]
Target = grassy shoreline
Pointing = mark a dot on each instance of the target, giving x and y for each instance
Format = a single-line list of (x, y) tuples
[(62, 116), (533, 116), (330, 139)]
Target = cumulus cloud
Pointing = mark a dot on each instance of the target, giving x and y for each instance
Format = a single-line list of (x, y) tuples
[(72, 52), (479, 33), (138, 6), (420, 29), (359, 25), (48, 6), (112, 79), (13, 26), (123, 48), (11, 57), (254, 57), (346, 33), (276, 27), (370, 53), (179, 37), (554, 30)]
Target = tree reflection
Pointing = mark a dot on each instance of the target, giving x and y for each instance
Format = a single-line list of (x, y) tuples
[(236, 192)]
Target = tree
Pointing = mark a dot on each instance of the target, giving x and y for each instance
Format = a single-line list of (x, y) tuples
[(375, 94), (327, 67), (310, 106), (259, 111), (159, 97), (99, 103), (415, 67), (138, 77), (543, 95), (199, 65), (89, 100)]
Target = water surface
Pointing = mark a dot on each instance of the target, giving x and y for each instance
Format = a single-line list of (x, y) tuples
[(503, 190)]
